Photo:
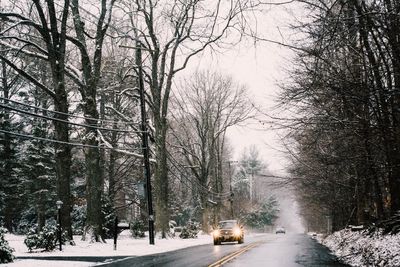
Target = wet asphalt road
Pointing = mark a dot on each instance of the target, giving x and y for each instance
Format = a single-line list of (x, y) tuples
[(290, 250)]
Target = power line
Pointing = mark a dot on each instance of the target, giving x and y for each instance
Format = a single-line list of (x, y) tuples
[(60, 142), (65, 121), (38, 115), (200, 186), (68, 114)]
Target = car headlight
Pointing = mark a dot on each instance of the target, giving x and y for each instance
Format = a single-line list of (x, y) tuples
[(237, 232), (216, 233)]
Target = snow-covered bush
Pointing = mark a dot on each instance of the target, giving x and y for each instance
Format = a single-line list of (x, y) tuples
[(391, 225), (5, 250), (364, 248), (190, 230), (78, 216), (32, 239), (27, 221), (108, 213), (47, 239), (261, 216), (137, 228)]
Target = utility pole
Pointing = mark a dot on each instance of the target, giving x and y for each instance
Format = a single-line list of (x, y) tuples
[(145, 143), (230, 188), (251, 185), (231, 195)]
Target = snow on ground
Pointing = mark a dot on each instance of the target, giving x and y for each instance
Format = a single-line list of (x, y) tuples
[(359, 248), (126, 246), (49, 263)]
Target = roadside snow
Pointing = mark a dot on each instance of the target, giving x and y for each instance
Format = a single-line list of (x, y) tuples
[(126, 246), (359, 248), (43, 263)]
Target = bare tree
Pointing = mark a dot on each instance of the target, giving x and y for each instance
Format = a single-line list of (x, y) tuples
[(88, 85), (206, 106), (346, 158)]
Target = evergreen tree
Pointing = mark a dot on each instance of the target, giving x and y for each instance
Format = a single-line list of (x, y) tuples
[(10, 168), (39, 175), (9, 149), (250, 165)]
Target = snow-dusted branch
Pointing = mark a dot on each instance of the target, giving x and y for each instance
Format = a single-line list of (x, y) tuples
[(27, 76), (122, 151)]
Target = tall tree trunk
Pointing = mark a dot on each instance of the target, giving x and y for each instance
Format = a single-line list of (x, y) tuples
[(41, 212), (91, 64), (63, 152), (205, 213), (102, 161), (55, 39), (112, 185), (161, 178), (204, 198), (94, 189)]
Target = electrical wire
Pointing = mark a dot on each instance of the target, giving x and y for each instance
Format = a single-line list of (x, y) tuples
[(57, 141), (68, 114), (34, 107), (220, 196), (199, 185), (65, 121)]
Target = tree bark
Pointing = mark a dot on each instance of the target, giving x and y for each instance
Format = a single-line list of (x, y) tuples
[(94, 189), (161, 178)]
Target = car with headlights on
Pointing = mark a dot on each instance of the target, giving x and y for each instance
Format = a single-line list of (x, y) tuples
[(280, 230), (228, 231)]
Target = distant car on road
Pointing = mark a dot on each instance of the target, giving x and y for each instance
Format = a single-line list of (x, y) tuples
[(280, 230), (228, 231), (313, 234)]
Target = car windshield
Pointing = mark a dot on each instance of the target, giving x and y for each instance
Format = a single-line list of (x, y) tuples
[(225, 225)]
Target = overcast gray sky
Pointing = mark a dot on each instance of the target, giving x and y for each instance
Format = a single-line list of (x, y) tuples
[(260, 67)]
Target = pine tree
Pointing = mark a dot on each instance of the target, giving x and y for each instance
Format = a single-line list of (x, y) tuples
[(10, 203), (9, 147), (39, 175)]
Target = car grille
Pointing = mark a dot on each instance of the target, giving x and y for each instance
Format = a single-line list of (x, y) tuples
[(226, 232)]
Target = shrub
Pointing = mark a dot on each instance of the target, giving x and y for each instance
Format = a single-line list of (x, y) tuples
[(28, 220), (190, 230), (5, 250), (46, 239), (32, 239), (78, 215), (108, 213), (264, 215), (137, 229)]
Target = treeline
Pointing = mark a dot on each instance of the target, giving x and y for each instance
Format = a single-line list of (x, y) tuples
[(345, 90)]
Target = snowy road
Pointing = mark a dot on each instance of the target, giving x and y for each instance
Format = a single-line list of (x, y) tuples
[(291, 250)]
